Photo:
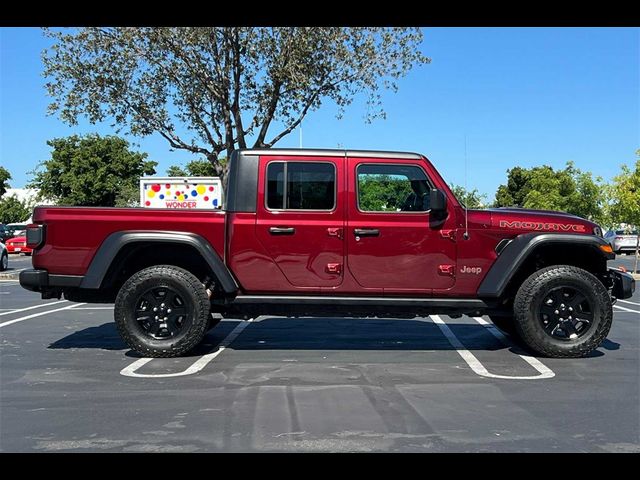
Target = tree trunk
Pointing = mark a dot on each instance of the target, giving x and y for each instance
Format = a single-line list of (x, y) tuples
[(635, 267), (221, 170)]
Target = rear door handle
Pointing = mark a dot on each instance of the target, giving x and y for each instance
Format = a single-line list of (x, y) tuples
[(282, 230), (366, 232)]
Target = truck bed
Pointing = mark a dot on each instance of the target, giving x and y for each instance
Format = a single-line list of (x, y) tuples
[(74, 234)]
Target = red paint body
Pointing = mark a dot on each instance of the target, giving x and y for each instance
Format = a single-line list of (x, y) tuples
[(412, 256), (17, 245)]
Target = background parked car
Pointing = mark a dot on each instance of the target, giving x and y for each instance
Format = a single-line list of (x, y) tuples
[(4, 258), (622, 241), (18, 245), (16, 229), (5, 233)]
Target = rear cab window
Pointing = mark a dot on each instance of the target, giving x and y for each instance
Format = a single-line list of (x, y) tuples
[(295, 185)]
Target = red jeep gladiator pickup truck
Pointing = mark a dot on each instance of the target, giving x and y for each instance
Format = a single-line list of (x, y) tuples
[(330, 233)]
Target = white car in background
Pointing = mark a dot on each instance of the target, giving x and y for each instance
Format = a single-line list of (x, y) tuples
[(622, 241), (4, 257)]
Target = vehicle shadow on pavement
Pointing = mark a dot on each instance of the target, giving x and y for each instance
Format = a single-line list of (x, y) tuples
[(103, 337), (275, 333)]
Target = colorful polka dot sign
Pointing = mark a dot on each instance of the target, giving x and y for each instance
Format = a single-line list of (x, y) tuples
[(176, 193)]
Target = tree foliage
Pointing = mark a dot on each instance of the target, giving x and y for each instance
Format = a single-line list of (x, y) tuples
[(625, 200), (469, 198), (89, 170), (194, 168), (569, 190), (12, 210), (382, 193), (211, 89), (625, 195), (5, 176)]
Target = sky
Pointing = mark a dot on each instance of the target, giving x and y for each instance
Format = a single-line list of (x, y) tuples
[(519, 96)]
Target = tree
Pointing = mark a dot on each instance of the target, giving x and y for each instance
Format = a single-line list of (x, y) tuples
[(128, 195), (195, 168), (469, 198), (5, 176), (13, 210), (625, 194), (209, 90), (382, 193), (569, 190), (89, 170)]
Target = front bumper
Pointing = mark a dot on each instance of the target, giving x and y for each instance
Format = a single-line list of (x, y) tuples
[(623, 284)]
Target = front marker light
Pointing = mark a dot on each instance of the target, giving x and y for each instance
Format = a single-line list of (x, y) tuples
[(606, 248)]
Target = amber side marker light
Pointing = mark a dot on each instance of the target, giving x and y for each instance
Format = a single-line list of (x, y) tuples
[(606, 248)]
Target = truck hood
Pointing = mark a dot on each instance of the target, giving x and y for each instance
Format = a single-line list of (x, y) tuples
[(521, 219)]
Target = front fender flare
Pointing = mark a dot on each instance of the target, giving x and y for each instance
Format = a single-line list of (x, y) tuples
[(520, 248)]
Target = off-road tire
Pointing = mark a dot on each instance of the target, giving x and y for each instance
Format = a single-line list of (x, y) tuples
[(191, 290), (530, 296)]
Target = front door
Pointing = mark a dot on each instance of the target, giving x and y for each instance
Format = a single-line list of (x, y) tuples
[(301, 222), (391, 242)]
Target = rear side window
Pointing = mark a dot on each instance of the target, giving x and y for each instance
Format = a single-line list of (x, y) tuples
[(301, 186), (392, 188)]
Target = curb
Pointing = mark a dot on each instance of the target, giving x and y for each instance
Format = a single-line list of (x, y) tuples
[(12, 275)]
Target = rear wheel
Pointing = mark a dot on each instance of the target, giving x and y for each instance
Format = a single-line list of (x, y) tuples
[(4, 261), (162, 311), (562, 311)]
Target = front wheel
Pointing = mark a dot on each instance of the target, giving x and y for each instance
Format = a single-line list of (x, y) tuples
[(162, 311), (562, 311), (4, 261)]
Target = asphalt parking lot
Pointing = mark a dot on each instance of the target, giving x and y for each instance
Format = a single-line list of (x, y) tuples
[(68, 383), (18, 261)]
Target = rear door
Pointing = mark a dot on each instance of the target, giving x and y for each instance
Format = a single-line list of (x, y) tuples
[(301, 220), (392, 242)]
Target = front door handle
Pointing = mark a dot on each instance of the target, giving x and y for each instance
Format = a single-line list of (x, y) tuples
[(282, 230), (366, 232)]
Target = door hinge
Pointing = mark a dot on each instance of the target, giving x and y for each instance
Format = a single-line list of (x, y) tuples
[(446, 270), (333, 268), (450, 234), (335, 232)]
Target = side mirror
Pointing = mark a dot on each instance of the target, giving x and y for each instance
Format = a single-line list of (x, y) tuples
[(437, 201)]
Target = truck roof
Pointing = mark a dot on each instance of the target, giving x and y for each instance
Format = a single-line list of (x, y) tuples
[(322, 152)]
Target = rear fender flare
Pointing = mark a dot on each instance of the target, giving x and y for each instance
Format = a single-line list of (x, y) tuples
[(114, 243)]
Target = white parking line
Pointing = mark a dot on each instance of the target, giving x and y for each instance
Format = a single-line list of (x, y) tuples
[(533, 361), (39, 314), (475, 364), (627, 301), (198, 365), (626, 309), (40, 305), (94, 308)]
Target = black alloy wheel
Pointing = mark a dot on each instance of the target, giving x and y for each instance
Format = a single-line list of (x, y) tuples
[(566, 313), (162, 313)]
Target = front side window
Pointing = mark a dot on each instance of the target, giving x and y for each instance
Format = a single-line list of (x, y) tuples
[(308, 186), (392, 188)]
